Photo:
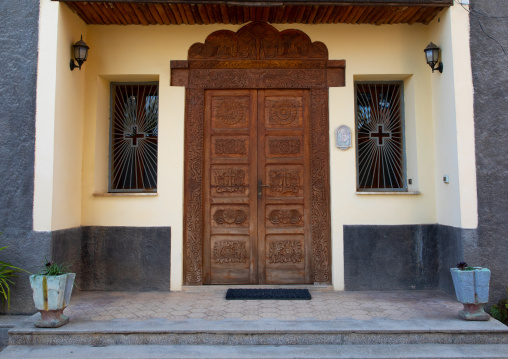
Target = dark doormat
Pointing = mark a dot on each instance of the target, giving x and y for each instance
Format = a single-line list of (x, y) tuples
[(274, 294)]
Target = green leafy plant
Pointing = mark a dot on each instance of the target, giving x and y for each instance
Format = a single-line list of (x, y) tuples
[(499, 311), (7, 273), (50, 268), (53, 268)]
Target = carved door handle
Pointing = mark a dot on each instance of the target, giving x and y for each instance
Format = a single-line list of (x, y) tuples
[(260, 188)]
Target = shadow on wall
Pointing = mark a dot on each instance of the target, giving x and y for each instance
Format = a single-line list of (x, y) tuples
[(390, 257), (116, 258)]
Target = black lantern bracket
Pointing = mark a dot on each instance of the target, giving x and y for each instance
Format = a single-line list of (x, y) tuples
[(439, 67), (80, 51), (73, 65)]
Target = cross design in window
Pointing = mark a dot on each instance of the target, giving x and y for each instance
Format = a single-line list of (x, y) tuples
[(133, 134), (380, 135)]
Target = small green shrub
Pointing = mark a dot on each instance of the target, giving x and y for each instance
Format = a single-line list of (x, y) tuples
[(499, 311), (52, 268), (7, 273)]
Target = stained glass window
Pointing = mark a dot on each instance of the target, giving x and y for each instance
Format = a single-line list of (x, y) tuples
[(134, 136), (380, 137)]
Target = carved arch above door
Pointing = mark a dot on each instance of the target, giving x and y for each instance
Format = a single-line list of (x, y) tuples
[(257, 56)]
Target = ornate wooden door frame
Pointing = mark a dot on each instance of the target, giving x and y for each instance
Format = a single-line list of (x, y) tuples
[(258, 56)]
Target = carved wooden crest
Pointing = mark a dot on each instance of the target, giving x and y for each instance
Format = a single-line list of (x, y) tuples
[(272, 58), (258, 41)]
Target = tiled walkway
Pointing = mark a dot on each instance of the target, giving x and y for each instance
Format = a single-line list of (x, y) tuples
[(211, 305)]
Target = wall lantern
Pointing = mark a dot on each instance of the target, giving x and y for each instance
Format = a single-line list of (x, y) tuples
[(80, 53), (432, 57)]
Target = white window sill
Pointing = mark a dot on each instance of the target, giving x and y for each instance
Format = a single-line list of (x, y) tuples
[(125, 194), (392, 193)]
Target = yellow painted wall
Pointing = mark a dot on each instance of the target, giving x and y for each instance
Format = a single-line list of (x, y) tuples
[(69, 119), (138, 53), (453, 117), (120, 52), (45, 116), (59, 121), (385, 53)]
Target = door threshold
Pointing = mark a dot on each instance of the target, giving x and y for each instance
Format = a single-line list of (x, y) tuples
[(224, 287)]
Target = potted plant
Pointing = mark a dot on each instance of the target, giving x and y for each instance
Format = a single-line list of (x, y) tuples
[(52, 289), (472, 290)]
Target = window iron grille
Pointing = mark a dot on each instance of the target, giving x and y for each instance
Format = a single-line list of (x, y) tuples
[(380, 137), (134, 137)]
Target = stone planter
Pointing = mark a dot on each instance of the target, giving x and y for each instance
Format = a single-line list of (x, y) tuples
[(472, 290), (51, 296)]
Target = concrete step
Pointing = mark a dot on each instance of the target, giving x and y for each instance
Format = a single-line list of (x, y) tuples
[(262, 332), (8, 322), (446, 351)]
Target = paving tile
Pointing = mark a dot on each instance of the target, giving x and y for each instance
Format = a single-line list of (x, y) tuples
[(211, 305), (237, 316), (196, 315), (215, 317), (270, 310)]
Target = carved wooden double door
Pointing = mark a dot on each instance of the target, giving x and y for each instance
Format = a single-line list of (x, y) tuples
[(257, 187)]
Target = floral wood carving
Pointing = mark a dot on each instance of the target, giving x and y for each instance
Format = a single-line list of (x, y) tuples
[(257, 78), (285, 252), (258, 64), (229, 216), (258, 41), (285, 216), (320, 197), (294, 78), (194, 190), (230, 147), (230, 112), (283, 113), (229, 252), (284, 146)]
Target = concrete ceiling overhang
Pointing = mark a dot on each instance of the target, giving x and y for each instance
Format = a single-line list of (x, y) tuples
[(199, 12)]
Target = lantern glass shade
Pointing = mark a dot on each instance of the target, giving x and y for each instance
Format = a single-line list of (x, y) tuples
[(80, 53), (81, 50), (77, 52), (431, 54)]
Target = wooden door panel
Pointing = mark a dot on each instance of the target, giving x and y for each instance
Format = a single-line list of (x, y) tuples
[(230, 216), (283, 163), (230, 259), (231, 111), (229, 148), (284, 147), (284, 216), (283, 112), (285, 261), (230, 206), (284, 181), (230, 181), (257, 137)]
